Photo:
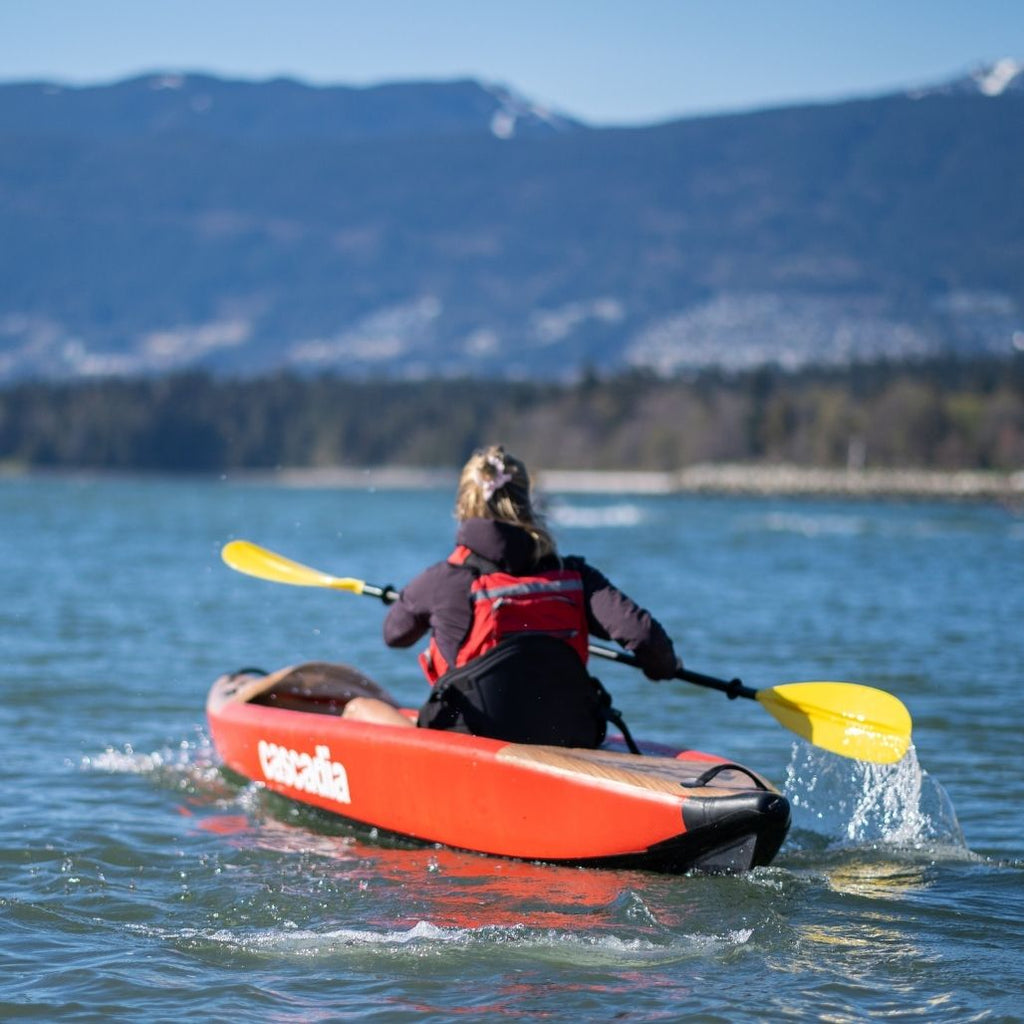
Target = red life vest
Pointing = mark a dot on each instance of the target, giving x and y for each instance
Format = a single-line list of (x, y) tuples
[(549, 602)]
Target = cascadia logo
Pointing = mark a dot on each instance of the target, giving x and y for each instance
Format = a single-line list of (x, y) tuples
[(308, 773)]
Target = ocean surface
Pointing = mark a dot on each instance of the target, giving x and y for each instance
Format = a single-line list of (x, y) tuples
[(139, 882)]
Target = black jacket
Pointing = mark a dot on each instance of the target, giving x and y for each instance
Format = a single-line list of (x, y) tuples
[(438, 599)]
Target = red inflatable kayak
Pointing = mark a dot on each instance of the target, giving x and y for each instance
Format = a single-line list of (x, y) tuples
[(664, 811)]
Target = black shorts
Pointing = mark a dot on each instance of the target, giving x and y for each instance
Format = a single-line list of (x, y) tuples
[(528, 689)]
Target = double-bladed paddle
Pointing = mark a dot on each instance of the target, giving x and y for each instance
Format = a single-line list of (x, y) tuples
[(849, 719)]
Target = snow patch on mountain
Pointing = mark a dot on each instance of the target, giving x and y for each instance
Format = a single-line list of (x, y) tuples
[(169, 81), (382, 336), (743, 330), (514, 109), (998, 79), (994, 81), (549, 326)]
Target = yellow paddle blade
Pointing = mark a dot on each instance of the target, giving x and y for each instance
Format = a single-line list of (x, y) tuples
[(846, 718), (253, 560)]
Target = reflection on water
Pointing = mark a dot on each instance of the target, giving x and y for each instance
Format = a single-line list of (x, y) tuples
[(883, 879)]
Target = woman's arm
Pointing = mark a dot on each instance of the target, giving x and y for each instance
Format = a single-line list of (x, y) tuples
[(614, 616), (438, 600)]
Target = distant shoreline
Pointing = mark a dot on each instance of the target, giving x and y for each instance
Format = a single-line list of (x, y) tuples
[(796, 480), (724, 479), (710, 478)]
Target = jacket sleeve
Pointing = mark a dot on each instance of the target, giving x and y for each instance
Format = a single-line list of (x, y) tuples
[(614, 616), (437, 600), (408, 618)]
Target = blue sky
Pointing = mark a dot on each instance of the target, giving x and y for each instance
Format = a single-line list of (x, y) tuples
[(627, 61)]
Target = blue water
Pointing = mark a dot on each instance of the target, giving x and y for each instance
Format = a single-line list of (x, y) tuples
[(139, 883)]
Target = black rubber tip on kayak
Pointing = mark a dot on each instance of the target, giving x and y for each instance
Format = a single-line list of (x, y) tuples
[(739, 832)]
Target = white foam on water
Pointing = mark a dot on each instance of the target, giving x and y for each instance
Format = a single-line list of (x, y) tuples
[(857, 803), (812, 525), (833, 524), (425, 939), (589, 517)]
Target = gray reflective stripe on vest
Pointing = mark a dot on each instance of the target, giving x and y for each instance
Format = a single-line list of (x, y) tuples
[(518, 589)]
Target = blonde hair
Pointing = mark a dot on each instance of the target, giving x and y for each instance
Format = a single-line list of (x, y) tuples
[(496, 485)]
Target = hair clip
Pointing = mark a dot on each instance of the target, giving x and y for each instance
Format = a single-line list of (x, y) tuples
[(489, 486)]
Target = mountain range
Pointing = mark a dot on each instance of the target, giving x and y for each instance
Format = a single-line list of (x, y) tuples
[(174, 222)]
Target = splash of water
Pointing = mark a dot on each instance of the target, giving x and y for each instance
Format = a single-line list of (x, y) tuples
[(855, 802), (191, 764)]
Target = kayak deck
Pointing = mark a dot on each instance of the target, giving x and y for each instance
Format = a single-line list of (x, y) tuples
[(670, 811)]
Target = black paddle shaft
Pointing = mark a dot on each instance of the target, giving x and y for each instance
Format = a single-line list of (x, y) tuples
[(732, 689)]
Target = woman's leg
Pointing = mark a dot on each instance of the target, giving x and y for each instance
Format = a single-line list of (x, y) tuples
[(369, 709)]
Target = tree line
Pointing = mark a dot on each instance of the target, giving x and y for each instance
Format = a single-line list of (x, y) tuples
[(943, 414)]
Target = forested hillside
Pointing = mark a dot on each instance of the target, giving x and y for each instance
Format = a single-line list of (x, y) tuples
[(943, 414)]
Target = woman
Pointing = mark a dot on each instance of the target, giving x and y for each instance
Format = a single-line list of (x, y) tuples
[(509, 621)]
